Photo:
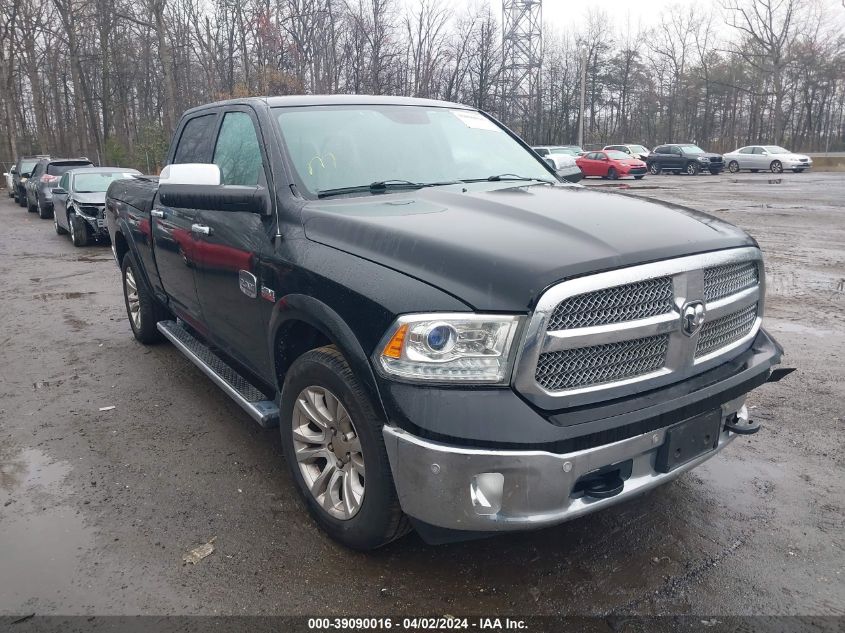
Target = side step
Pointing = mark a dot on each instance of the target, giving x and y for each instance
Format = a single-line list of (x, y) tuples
[(251, 399)]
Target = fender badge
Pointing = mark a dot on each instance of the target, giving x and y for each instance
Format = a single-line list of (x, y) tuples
[(268, 293), (247, 283)]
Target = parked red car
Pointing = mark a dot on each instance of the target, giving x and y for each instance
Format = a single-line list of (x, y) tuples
[(611, 164)]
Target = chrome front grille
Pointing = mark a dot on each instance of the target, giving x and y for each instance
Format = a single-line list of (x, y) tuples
[(724, 331), (613, 305), (616, 333), (723, 281), (599, 364)]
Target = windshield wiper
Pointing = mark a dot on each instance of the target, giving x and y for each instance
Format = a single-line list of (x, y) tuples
[(381, 185), (501, 177)]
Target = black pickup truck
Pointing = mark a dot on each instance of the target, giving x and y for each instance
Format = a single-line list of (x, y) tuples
[(450, 338)]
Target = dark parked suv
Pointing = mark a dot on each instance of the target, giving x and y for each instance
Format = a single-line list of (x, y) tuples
[(45, 176), (684, 158), (449, 337), (22, 173)]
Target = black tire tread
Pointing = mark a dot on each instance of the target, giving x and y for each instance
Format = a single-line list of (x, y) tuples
[(151, 311)]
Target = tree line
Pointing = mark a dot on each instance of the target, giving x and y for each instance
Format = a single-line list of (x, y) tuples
[(110, 78)]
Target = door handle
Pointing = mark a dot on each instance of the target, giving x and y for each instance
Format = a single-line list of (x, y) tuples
[(156, 213), (201, 228)]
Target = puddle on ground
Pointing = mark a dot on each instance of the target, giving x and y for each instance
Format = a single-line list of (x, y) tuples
[(40, 547), (47, 296)]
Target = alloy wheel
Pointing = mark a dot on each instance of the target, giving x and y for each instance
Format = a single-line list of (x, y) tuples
[(132, 299), (654, 170), (328, 452), (777, 167), (733, 166)]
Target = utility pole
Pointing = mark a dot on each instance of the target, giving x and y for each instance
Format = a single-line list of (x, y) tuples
[(583, 98), (522, 52)]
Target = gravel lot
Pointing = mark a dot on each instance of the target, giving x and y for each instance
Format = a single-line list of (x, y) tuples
[(98, 508)]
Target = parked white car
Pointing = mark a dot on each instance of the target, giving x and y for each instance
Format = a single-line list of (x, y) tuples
[(563, 159), (10, 185), (771, 158)]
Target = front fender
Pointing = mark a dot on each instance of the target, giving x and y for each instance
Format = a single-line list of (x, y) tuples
[(299, 307)]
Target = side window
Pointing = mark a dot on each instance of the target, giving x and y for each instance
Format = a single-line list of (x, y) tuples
[(237, 152), (659, 150), (37, 171), (195, 141), (758, 150), (676, 151), (543, 152)]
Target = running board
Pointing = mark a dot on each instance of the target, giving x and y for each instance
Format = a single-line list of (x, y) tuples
[(251, 399)]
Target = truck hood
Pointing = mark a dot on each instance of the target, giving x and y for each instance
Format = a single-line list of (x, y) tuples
[(497, 248)]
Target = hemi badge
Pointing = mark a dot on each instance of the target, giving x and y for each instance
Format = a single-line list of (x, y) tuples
[(268, 293)]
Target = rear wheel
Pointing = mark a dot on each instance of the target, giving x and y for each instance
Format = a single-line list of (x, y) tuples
[(733, 166), (692, 169), (333, 445), (141, 306), (776, 167), (654, 169), (78, 230), (59, 229), (43, 212), (612, 173)]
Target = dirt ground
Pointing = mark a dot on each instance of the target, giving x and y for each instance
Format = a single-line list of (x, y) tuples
[(97, 508)]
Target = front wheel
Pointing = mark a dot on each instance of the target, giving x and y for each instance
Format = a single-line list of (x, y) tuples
[(78, 230), (612, 174), (776, 167), (733, 166), (692, 169), (654, 169), (333, 446)]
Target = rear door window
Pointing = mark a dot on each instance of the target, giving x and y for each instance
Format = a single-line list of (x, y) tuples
[(195, 142), (238, 153)]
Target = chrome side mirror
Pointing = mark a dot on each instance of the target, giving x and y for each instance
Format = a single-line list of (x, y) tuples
[(190, 174)]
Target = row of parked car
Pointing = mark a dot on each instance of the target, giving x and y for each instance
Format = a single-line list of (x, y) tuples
[(618, 161), (71, 191)]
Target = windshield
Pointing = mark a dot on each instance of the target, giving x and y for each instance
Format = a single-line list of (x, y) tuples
[(98, 182), (776, 149), (563, 150), (691, 149), (335, 147), (639, 149), (617, 155)]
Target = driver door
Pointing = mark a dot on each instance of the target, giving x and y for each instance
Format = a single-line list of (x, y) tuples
[(60, 201)]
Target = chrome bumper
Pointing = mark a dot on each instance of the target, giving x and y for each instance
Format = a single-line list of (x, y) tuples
[(487, 490)]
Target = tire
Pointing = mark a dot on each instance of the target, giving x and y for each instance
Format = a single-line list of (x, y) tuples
[(612, 174), (31, 208), (43, 213), (776, 167), (654, 169), (374, 518), (78, 230), (142, 309), (733, 167), (20, 199), (638, 177), (59, 229), (692, 169)]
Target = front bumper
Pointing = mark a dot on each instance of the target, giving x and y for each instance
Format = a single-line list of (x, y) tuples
[(797, 164), (477, 490), (571, 174)]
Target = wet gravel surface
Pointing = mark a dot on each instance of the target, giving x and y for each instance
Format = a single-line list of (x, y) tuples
[(97, 508)]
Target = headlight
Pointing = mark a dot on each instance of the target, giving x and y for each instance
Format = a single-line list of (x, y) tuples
[(704, 159), (469, 348)]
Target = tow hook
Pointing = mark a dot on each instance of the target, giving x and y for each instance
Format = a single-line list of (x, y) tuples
[(742, 426), (604, 487)]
